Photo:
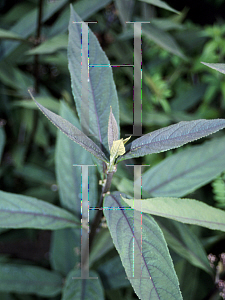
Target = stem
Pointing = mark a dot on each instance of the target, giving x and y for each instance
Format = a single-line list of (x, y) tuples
[(37, 79), (99, 213)]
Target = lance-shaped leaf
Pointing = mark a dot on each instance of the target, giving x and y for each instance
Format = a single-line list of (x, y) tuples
[(19, 211), (184, 242), (158, 280), (171, 137), (187, 211), (72, 132), (29, 280), (82, 289), (161, 4), (113, 132), (94, 94), (185, 171), (217, 67)]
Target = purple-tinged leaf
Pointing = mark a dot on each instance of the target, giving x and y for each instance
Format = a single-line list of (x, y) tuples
[(217, 67), (171, 137), (158, 280), (100, 90), (72, 132)]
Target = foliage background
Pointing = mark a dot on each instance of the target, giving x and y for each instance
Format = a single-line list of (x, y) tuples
[(176, 86)]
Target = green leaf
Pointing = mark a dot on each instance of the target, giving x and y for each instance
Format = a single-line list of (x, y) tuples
[(82, 289), (19, 211), (113, 132), (163, 39), (7, 34), (161, 4), (187, 211), (2, 142), (72, 132), (158, 279), (189, 98), (65, 248), (101, 245), (68, 154), (184, 242), (29, 280), (50, 46), (184, 172), (171, 137), (217, 67), (125, 10), (27, 24), (49, 103), (101, 87), (192, 284), (113, 274), (84, 8)]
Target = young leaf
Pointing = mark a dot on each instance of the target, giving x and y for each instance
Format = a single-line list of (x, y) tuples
[(72, 132), (187, 211), (184, 242), (217, 67), (117, 149), (84, 289), (113, 133), (184, 172), (19, 211), (156, 264), (171, 137), (101, 89), (18, 278)]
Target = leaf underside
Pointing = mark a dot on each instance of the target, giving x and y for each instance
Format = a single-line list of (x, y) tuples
[(171, 137)]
